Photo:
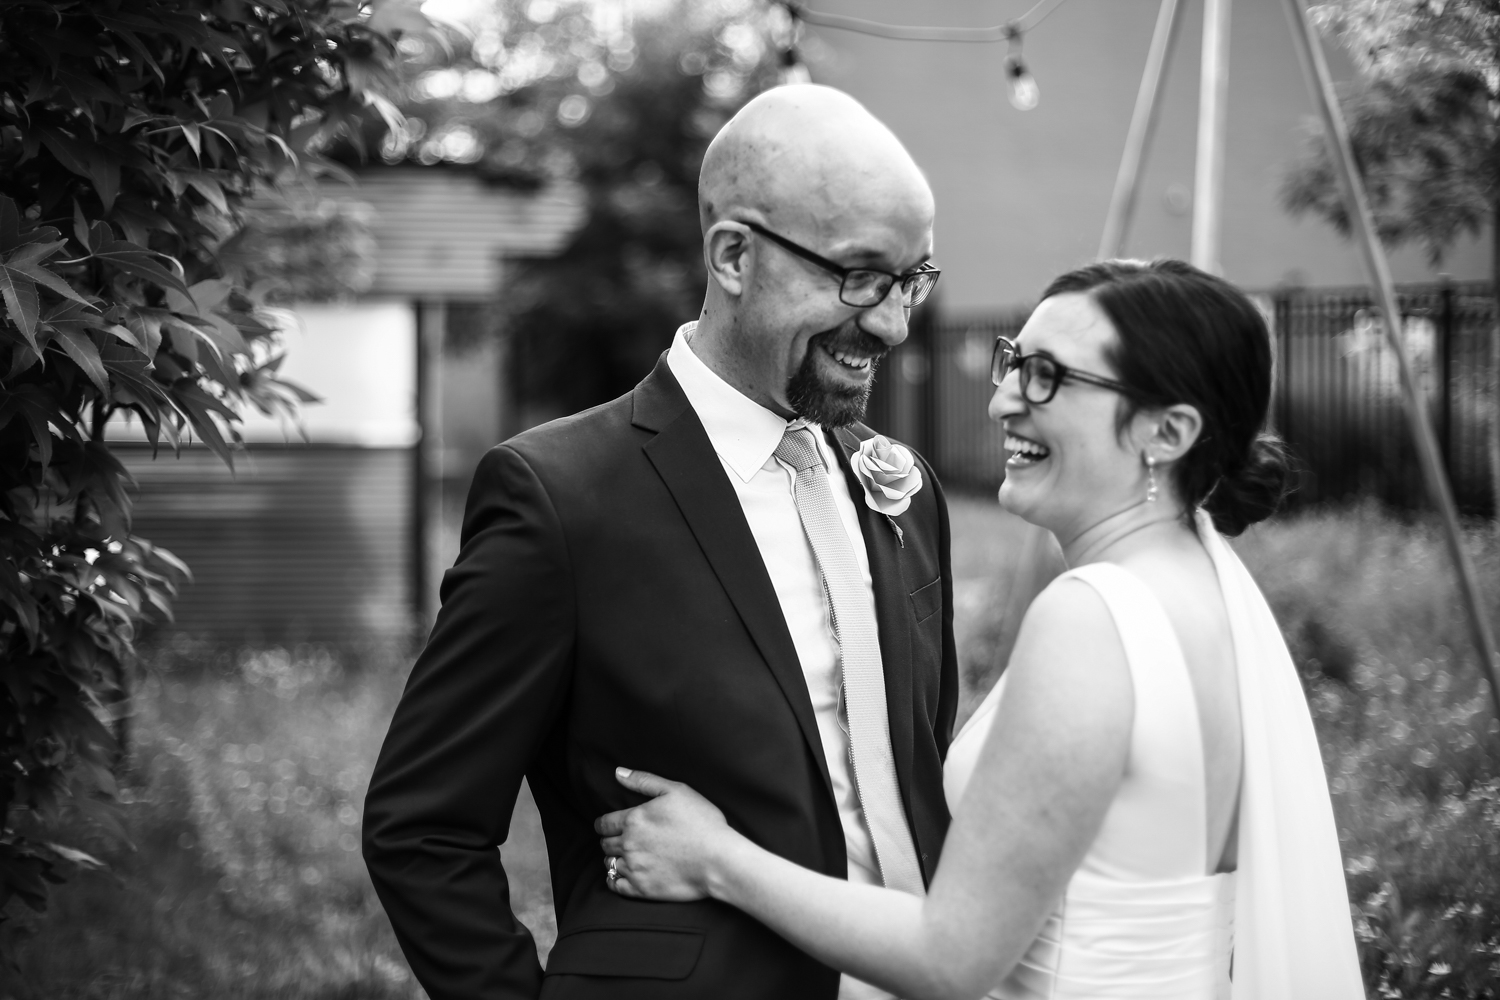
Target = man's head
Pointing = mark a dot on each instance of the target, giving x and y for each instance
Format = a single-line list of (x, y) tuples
[(805, 174)]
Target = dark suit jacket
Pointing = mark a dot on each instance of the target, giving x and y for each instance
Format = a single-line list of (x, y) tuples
[(609, 606)]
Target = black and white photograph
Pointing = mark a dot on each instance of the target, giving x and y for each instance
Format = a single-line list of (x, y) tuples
[(749, 499)]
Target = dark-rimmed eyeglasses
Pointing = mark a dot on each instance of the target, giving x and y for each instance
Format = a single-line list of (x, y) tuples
[(1042, 374), (864, 287)]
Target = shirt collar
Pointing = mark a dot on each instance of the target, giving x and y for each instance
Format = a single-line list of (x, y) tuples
[(743, 433)]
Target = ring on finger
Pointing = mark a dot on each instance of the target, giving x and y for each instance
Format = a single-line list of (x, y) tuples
[(613, 873)]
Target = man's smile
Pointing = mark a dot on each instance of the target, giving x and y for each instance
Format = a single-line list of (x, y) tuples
[(848, 359)]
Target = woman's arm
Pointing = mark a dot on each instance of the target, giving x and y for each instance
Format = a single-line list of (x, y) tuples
[(1044, 780)]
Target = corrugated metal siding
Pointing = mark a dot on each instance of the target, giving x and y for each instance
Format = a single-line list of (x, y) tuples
[(443, 232), (304, 543)]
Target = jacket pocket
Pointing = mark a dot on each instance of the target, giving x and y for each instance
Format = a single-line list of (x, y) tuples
[(926, 601), (640, 952)]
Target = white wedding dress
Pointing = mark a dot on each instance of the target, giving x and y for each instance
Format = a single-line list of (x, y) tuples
[(1141, 918)]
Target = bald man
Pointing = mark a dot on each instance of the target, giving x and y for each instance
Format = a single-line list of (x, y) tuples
[(655, 583)]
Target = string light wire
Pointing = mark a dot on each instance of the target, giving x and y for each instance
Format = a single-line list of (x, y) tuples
[(927, 33)]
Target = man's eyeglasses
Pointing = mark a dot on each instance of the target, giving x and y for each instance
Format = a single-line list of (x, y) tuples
[(863, 287), (1041, 375)]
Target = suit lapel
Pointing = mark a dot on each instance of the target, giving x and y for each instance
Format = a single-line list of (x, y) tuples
[(687, 463), (892, 614)]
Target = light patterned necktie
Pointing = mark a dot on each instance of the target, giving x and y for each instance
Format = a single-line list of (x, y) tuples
[(863, 675)]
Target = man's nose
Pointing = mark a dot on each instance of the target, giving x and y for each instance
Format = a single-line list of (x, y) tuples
[(887, 319)]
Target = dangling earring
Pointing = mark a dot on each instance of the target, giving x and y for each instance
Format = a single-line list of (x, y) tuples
[(1150, 479)]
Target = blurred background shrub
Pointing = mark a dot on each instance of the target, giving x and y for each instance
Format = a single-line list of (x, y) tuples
[(623, 106)]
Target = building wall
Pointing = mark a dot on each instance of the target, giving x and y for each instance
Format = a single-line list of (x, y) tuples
[(298, 543), (340, 525), (1022, 196), (307, 538), (442, 232)]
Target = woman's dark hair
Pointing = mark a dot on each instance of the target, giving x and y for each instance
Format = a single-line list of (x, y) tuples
[(1186, 336)]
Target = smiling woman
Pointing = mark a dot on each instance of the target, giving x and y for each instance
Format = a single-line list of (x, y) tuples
[(1164, 347)]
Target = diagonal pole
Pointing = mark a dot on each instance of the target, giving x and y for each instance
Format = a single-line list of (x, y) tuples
[(1362, 226), (1213, 114), (1142, 127)]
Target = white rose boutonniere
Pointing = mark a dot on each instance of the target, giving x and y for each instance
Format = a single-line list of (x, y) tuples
[(889, 474)]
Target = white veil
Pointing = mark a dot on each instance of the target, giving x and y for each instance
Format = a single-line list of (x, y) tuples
[(1293, 935)]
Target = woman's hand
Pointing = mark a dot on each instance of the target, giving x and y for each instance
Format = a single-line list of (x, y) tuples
[(666, 848)]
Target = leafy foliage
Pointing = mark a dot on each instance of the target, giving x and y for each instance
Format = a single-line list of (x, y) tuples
[(298, 247), (584, 94), (1421, 119), (131, 131)]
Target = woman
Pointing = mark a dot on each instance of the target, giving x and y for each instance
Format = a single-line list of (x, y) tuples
[(1139, 804)]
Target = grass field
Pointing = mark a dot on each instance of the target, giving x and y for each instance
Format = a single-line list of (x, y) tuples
[(248, 769)]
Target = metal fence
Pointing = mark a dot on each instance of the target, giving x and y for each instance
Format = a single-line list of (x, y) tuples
[(1337, 400)]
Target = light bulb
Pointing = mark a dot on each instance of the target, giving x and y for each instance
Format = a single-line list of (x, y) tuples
[(1024, 93)]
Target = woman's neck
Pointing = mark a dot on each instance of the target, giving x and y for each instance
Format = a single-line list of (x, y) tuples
[(1116, 535)]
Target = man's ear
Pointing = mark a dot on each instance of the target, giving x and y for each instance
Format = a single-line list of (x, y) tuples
[(1172, 431), (725, 247)]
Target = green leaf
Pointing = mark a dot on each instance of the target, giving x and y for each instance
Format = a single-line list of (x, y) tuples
[(142, 263), (126, 334), (184, 337), (210, 189), (19, 294), (51, 281), (80, 225), (81, 348), (87, 159), (37, 406), (80, 858), (146, 325), (22, 876), (202, 299), (200, 408), (10, 224), (194, 138), (22, 358), (33, 253), (14, 594)]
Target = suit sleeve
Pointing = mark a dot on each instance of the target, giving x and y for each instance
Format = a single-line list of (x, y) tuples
[(948, 690), (481, 698)]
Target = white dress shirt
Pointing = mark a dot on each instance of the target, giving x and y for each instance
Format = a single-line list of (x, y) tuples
[(745, 434)]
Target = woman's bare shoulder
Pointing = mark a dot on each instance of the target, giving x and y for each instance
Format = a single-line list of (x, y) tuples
[(1069, 650)]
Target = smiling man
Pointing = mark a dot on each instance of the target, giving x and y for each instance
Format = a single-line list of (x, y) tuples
[(695, 579)]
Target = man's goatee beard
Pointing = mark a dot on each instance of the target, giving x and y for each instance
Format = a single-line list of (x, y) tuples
[(831, 405)]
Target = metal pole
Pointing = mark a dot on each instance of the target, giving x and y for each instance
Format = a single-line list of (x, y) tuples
[(1362, 227), (1445, 377), (1142, 126), (1213, 101)]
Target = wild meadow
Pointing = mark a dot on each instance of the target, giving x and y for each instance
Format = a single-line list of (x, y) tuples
[(247, 767)]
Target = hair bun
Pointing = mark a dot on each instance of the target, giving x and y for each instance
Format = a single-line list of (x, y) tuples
[(1253, 491)]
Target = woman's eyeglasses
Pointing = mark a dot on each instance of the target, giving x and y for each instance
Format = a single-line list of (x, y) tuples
[(1041, 374)]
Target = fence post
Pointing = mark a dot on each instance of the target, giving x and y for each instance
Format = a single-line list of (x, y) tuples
[(929, 392), (1281, 317), (1444, 359)]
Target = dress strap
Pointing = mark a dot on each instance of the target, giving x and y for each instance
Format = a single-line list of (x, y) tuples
[(1166, 735)]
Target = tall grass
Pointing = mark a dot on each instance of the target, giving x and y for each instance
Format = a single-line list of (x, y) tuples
[(244, 791), (248, 769)]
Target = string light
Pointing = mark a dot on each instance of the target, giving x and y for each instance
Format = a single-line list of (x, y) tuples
[(1024, 92), (1021, 86), (926, 33)]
